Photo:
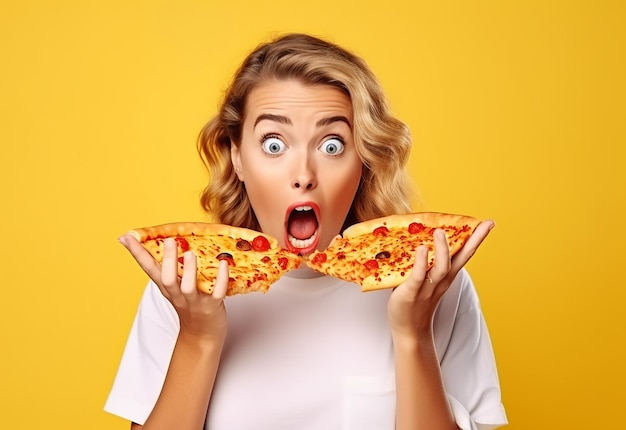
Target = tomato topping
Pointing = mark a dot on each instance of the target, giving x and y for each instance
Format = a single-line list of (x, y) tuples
[(320, 258), (380, 231), (257, 277), (184, 245), (283, 262), (260, 243), (371, 264), (416, 227)]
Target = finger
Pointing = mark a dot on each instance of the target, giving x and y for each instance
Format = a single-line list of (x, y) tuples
[(420, 266), (188, 283), (441, 264), (472, 244), (142, 256), (169, 266), (221, 283)]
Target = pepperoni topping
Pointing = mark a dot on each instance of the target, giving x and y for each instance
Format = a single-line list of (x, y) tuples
[(283, 262), (371, 265), (182, 242), (320, 258), (181, 260), (266, 259), (380, 231), (226, 256), (260, 243), (416, 227)]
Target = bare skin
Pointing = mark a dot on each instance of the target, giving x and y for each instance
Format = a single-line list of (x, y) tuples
[(307, 172)]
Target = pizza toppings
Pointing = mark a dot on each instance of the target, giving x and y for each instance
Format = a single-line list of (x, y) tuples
[(226, 256), (260, 243), (255, 259), (416, 227), (243, 245), (319, 258), (283, 263), (380, 231), (371, 265), (182, 242), (380, 253), (375, 254)]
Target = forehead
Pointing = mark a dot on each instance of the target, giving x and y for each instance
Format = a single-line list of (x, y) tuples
[(290, 96)]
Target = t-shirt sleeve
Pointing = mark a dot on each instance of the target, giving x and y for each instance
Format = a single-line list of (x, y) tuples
[(145, 359), (468, 364)]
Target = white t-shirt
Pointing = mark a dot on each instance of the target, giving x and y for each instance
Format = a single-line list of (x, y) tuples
[(313, 354)]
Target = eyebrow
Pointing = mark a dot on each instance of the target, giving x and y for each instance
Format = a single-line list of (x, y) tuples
[(326, 121), (285, 120)]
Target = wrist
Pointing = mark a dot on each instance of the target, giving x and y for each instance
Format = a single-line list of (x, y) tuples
[(413, 340), (201, 341)]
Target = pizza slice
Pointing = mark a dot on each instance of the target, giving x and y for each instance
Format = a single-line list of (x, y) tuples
[(380, 253), (255, 259)]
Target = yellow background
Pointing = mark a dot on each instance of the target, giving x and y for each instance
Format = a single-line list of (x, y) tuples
[(517, 111)]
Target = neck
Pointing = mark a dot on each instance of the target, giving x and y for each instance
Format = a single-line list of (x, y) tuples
[(303, 272)]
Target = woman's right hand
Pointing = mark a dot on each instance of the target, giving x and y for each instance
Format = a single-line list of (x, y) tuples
[(202, 316)]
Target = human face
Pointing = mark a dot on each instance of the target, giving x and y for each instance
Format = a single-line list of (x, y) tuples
[(298, 161)]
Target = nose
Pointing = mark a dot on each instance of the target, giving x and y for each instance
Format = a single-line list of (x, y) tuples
[(308, 185), (304, 175)]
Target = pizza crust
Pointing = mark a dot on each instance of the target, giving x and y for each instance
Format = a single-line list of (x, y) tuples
[(429, 219), (182, 229)]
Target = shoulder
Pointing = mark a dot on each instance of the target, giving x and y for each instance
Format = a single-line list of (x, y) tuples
[(156, 308), (458, 303), (463, 292)]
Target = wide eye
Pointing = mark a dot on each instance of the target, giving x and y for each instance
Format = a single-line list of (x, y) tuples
[(273, 145), (332, 146)]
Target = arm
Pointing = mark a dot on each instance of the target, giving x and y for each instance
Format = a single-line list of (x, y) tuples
[(421, 401), (185, 395), (184, 400)]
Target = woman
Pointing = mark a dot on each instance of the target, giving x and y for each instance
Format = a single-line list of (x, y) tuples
[(303, 146)]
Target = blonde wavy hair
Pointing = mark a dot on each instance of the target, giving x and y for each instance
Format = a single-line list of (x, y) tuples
[(382, 141)]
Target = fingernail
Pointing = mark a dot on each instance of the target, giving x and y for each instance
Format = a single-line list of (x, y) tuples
[(122, 240)]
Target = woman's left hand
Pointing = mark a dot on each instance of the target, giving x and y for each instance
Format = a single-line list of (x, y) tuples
[(413, 303)]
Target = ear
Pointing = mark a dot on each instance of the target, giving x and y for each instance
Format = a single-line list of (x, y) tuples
[(235, 158)]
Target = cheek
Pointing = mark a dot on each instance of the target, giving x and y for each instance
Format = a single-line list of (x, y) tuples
[(265, 197), (349, 178), (261, 194), (342, 186)]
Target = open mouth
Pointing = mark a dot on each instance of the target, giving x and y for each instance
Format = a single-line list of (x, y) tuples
[(302, 228)]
